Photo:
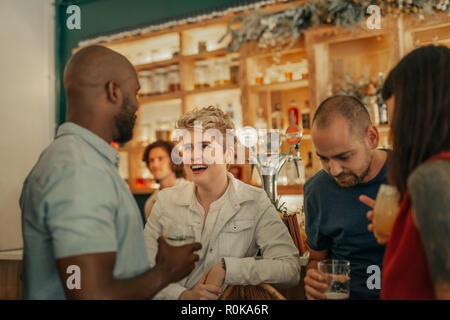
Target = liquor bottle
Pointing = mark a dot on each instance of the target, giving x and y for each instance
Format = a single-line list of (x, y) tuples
[(306, 117), (229, 111), (293, 113), (276, 117), (374, 110), (309, 167), (380, 101)]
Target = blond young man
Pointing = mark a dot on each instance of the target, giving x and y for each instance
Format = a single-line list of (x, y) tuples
[(231, 219)]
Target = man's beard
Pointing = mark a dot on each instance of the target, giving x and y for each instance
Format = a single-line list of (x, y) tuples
[(125, 122), (354, 179)]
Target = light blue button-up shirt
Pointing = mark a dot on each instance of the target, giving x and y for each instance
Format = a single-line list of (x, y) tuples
[(74, 202)]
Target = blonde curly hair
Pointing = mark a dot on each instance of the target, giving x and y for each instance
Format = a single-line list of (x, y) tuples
[(211, 118)]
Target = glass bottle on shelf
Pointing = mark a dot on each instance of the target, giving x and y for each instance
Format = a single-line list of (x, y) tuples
[(175, 50), (260, 123), (274, 75), (304, 69), (145, 80), (202, 46), (161, 85), (163, 130), (382, 106), (229, 111), (288, 71), (259, 77), (373, 110), (217, 72), (201, 74), (277, 117), (296, 71), (234, 69), (226, 75), (383, 113), (293, 113), (174, 78), (143, 179), (306, 117)]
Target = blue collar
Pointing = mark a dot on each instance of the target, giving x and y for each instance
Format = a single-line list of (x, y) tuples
[(100, 145)]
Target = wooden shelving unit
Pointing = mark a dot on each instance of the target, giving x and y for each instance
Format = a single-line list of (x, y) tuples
[(327, 52)]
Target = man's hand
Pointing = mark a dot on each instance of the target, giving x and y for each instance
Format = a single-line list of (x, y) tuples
[(216, 275), (176, 262), (315, 285), (371, 203), (202, 291)]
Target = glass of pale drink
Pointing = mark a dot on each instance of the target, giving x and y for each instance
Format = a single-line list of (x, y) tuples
[(337, 275), (179, 234), (385, 211)]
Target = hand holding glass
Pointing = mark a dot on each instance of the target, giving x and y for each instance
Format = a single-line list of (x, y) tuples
[(178, 234), (337, 275)]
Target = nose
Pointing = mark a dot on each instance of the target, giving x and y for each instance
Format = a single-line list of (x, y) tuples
[(335, 168)]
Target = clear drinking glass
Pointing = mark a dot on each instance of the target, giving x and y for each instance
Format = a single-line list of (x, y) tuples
[(385, 211), (179, 234), (337, 275)]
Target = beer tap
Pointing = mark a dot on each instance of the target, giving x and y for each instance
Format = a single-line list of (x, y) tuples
[(267, 158)]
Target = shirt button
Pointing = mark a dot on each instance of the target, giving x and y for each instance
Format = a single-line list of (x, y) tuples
[(210, 250)]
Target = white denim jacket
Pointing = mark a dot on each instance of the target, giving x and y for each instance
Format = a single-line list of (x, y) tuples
[(238, 223)]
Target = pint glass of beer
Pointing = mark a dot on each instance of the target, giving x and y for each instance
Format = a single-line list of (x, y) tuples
[(337, 275), (178, 234), (385, 211)]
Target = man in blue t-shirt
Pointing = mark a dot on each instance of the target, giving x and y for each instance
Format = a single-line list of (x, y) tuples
[(336, 224)]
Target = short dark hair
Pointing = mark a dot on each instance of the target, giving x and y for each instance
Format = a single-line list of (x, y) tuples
[(420, 126), (168, 146), (349, 107)]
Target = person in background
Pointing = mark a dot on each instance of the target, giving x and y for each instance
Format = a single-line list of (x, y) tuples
[(417, 260), (336, 224), (231, 219), (157, 156), (79, 219)]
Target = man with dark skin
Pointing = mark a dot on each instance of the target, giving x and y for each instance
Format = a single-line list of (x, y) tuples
[(101, 87)]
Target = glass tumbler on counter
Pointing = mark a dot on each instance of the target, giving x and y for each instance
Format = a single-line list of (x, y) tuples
[(337, 275)]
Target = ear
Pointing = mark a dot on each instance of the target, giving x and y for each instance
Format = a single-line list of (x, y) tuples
[(113, 92), (372, 137)]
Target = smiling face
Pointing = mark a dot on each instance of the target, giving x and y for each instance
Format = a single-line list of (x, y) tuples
[(345, 155), (205, 160)]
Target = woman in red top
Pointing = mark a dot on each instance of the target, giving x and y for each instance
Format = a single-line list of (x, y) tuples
[(417, 259)]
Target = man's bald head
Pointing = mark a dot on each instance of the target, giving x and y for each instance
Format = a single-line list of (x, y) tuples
[(89, 70), (348, 107), (101, 89)]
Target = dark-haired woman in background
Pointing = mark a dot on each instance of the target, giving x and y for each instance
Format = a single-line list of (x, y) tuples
[(417, 259)]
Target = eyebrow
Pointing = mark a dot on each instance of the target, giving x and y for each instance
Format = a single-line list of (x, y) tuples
[(340, 155)]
